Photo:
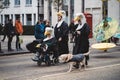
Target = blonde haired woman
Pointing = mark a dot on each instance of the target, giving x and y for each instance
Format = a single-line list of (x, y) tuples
[(81, 35)]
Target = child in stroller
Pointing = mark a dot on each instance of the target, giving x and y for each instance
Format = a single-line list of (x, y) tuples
[(45, 50)]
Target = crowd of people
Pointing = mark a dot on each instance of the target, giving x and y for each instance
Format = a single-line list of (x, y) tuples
[(79, 30), (10, 31)]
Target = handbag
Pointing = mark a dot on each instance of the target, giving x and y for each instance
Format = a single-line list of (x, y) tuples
[(20, 40)]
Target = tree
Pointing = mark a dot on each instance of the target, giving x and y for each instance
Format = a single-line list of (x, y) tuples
[(57, 4), (4, 4)]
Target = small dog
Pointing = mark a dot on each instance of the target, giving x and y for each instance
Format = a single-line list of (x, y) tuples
[(73, 59)]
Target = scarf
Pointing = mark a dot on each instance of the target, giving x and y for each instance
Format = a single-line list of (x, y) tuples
[(59, 23)]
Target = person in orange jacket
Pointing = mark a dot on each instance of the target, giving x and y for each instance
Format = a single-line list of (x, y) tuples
[(19, 31)]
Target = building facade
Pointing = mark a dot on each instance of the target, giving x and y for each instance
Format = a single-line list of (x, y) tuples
[(25, 9), (32, 10)]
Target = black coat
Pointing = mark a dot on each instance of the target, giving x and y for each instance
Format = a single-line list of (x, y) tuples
[(62, 32), (1, 29), (10, 30), (72, 28), (82, 40)]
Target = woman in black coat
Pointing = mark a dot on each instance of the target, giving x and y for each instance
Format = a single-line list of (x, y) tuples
[(81, 36), (61, 34), (81, 40)]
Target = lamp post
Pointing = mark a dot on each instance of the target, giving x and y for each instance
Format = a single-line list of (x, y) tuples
[(104, 8), (83, 6), (38, 6), (58, 5)]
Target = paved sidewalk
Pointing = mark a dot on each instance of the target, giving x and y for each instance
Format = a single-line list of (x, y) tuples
[(26, 39)]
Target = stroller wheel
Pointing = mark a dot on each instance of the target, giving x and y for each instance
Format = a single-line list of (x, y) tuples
[(39, 63), (56, 61)]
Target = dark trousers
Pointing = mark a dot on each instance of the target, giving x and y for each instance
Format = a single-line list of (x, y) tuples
[(4, 37), (0, 47), (10, 37), (18, 46)]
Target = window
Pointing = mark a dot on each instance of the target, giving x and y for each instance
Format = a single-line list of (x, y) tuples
[(17, 2), (34, 18), (1, 18), (28, 19), (6, 3), (17, 16), (28, 3), (23, 19)]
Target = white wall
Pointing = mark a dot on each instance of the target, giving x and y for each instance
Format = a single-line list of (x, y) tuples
[(54, 16), (77, 6), (114, 12), (93, 3)]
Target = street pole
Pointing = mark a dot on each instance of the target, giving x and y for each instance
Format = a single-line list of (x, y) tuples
[(58, 5), (38, 9), (104, 8), (83, 5)]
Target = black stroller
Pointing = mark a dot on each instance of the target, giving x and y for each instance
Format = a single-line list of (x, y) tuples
[(45, 51)]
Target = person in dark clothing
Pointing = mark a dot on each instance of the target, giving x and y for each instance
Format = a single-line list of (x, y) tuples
[(0, 48), (81, 36), (10, 31), (72, 30), (0, 41), (61, 34), (39, 30), (47, 47), (4, 31)]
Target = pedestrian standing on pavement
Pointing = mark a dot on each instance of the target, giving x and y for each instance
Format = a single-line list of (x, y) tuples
[(0, 38), (10, 31), (61, 33), (19, 32), (4, 31), (72, 30), (81, 36), (0, 48), (39, 30)]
